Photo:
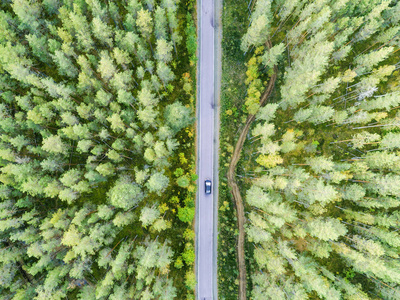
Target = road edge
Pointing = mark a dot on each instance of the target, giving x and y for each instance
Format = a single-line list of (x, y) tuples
[(217, 99)]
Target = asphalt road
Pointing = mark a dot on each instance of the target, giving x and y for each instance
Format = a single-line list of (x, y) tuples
[(205, 256)]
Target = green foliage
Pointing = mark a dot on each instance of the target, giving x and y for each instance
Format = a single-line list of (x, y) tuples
[(125, 194), (273, 55), (178, 172), (183, 181), (234, 22), (149, 215), (194, 177), (54, 144), (178, 263), (254, 89), (260, 24), (188, 255), (190, 280), (191, 41), (178, 116), (188, 234), (86, 149), (186, 214), (320, 168), (158, 182)]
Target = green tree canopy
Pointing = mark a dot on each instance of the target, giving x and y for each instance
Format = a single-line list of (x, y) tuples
[(125, 193)]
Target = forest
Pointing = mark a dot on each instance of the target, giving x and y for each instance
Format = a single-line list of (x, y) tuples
[(319, 172), (97, 174)]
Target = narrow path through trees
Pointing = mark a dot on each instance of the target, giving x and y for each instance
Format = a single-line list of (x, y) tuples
[(235, 188)]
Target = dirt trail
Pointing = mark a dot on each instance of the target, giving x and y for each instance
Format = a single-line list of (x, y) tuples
[(235, 189)]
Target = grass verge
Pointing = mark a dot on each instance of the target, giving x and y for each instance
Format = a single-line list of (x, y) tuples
[(233, 116)]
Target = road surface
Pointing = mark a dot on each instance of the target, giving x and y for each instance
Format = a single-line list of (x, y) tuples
[(207, 139)]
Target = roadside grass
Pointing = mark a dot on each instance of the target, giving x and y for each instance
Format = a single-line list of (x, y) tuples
[(233, 92)]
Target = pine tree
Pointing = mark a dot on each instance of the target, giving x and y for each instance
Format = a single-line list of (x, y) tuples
[(124, 194), (320, 164), (160, 26), (260, 24), (148, 216), (144, 22), (102, 31), (165, 73), (163, 51), (157, 183), (326, 229), (106, 66), (273, 55), (177, 116)]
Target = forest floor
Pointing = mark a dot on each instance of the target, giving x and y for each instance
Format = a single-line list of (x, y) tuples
[(235, 188), (232, 117)]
